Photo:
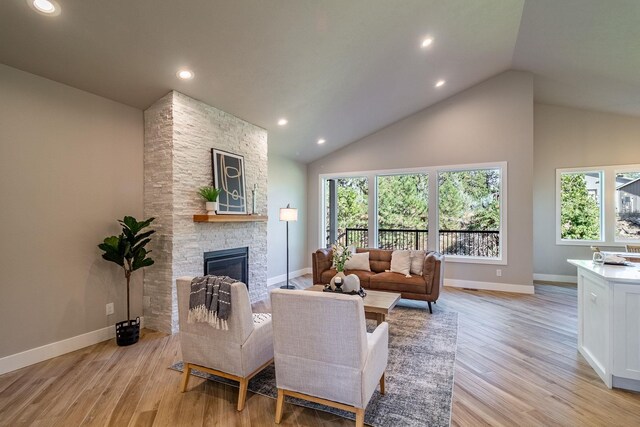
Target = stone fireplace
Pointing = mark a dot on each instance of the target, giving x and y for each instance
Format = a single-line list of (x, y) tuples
[(179, 134)]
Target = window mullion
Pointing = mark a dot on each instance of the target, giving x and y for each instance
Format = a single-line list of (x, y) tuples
[(434, 233), (372, 228)]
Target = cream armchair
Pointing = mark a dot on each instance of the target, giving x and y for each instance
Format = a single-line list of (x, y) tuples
[(238, 353), (323, 352)]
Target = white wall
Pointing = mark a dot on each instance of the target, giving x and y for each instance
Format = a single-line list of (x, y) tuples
[(70, 165), (564, 138), (490, 122), (287, 184)]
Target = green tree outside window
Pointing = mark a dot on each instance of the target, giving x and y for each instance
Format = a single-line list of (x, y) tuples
[(580, 211)]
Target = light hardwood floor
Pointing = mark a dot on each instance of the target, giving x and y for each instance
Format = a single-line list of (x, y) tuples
[(517, 364)]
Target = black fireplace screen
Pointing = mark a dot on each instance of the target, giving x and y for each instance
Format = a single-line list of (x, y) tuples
[(228, 262)]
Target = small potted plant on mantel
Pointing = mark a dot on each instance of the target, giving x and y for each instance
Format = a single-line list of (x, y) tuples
[(128, 251), (210, 195)]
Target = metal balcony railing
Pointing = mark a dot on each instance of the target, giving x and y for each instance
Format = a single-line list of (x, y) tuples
[(452, 242), (470, 243)]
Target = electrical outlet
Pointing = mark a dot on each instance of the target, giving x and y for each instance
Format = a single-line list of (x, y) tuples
[(499, 272), (109, 309), (146, 302)]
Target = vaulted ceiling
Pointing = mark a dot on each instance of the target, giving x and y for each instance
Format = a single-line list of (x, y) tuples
[(336, 69)]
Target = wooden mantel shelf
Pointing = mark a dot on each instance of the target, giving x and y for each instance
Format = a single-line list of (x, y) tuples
[(230, 218)]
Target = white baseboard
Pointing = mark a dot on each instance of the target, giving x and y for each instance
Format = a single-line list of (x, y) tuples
[(292, 274), (555, 278), (489, 286), (55, 349)]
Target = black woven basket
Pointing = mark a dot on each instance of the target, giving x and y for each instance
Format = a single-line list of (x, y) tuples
[(128, 332)]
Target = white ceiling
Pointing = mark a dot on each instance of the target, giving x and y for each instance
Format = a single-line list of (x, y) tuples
[(336, 69)]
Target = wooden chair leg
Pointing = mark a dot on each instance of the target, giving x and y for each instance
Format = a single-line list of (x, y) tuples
[(186, 372), (430, 311), (382, 384), (359, 417), (279, 406), (242, 394)]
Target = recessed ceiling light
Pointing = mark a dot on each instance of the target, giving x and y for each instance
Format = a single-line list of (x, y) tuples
[(427, 42), (46, 7), (185, 74), (321, 141), (440, 83), (282, 122)]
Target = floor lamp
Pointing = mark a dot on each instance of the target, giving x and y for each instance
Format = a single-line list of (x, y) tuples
[(288, 214)]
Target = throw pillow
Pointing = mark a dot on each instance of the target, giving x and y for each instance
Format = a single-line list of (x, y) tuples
[(401, 262), (358, 262), (417, 262)]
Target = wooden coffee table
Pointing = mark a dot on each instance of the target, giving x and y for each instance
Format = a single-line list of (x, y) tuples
[(377, 304)]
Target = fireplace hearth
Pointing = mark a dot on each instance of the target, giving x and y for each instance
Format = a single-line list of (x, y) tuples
[(228, 262)]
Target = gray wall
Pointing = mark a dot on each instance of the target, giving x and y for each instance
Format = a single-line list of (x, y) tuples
[(490, 122), (70, 165), (565, 138), (287, 184)]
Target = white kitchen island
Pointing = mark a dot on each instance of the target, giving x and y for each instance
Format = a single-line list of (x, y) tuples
[(609, 321)]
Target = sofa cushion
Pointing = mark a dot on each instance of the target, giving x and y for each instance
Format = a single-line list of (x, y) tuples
[(379, 259), (364, 276), (398, 282)]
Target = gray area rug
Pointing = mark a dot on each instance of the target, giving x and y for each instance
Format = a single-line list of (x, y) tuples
[(418, 379)]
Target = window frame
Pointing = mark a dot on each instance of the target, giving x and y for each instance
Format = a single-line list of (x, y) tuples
[(601, 198), (616, 170), (433, 205), (396, 173), (502, 167), (322, 193), (608, 233)]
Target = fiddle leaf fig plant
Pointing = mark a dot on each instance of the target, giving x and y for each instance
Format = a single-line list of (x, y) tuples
[(128, 249)]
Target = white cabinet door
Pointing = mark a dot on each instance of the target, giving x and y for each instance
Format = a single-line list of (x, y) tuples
[(594, 318), (626, 331)]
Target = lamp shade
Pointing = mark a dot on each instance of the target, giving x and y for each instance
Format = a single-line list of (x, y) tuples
[(288, 214)]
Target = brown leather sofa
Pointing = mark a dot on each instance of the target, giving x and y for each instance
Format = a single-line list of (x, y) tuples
[(425, 288)]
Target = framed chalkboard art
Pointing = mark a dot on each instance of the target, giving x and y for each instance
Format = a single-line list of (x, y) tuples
[(228, 177)]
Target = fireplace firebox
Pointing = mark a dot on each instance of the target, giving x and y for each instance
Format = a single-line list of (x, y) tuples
[(228, 262)]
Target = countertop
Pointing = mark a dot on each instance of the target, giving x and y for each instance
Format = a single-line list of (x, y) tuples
[(615, 273)]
